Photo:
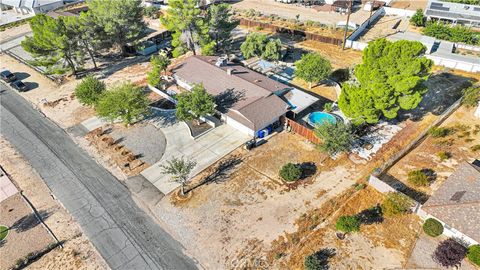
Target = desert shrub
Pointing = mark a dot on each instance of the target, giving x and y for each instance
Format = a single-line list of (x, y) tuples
[(474, 254), (418, 178), (291, 172), (418, 19), (319, 259), (449, 253), (439, 132), (457, 33), (348, 224), (328, 107), (89, 90), (475, 148), (444, 155), (433, 227), (471, 96), (395, 204)]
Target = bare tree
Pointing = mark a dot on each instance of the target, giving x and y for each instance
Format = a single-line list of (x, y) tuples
[(179, 169)]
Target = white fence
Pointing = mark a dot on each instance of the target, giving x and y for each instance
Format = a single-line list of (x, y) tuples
[(398, 12), (455, 64), (162, 93), (467, 47), (380, 185)]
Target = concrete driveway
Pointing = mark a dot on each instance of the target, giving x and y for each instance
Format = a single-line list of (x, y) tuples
[(205, 150)]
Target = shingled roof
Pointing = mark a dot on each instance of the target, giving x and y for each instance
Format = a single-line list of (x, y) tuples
[(457, 201), (256, 103)]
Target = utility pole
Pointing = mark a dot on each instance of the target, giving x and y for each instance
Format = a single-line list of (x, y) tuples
[(349, 11)]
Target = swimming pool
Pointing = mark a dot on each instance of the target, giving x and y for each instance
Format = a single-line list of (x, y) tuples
[(318, 118)]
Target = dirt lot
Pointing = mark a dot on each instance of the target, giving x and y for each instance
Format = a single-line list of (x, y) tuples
[(381, 245), (465, 134), (78, 253), (289, 11), (18, 216), (338, 58), (409, 4)]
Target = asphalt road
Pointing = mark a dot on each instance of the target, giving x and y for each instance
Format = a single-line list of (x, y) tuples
[(125, 236)]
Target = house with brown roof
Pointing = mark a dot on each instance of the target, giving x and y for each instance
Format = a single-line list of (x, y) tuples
[(247, 100), (456, 204)]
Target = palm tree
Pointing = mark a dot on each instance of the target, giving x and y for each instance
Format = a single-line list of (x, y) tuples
[(179, 169)]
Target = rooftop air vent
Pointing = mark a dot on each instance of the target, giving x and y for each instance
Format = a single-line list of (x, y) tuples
[(221, 62)]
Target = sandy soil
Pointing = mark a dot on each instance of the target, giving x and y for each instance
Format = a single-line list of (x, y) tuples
[(289, 11), (78, 253), (15, 31), (338, 58), (409, 4), (67, 111), (457, 144)]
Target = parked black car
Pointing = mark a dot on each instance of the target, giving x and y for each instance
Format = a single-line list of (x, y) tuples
[(19, 85), (7, 76)]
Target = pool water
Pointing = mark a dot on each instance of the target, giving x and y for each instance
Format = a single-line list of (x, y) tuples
[(318, 118)]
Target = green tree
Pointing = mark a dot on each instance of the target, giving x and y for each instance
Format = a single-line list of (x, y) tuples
[(121, 21), (179, 169), (291, 172), (272, 50), (474, 254), (254, 45), (194, 104), (53, 44), (432, 227), (93, 36), (221, 23), (471, 96), (348, 224), (396, 204), (160, 64), (126, 102), (335, 137), (190, 30), (391, 77), (418, 19), (89, 90), (319, 259), (312, 68)]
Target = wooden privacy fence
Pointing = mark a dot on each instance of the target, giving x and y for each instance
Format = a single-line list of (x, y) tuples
[(279, 29), (299, 129)]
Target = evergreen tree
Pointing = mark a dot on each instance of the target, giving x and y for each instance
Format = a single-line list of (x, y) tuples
[(54, 43), (189, 28), (391, 77), (121, 21), (194, 104), (221, 24)]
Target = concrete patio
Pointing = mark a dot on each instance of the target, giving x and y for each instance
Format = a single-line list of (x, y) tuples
[(205, 150)]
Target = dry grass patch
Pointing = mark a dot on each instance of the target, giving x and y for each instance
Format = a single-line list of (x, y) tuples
[(338, 58)]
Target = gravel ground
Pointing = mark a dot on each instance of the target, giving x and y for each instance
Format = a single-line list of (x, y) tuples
[(142, 139)]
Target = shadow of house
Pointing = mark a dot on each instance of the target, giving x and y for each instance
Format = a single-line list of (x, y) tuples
[(29, 221), (399, 186), (443, 90)]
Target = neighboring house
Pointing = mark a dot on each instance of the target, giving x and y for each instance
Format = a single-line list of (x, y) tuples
[(453, 12), (34, 6), (456, 204), (248, 101)]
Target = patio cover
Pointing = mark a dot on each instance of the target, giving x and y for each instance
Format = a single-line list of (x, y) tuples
[(299, 100)]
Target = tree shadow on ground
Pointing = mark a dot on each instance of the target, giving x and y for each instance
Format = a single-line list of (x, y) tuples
[(162, 119), (221, 172), (29, 221), (371, 215), (308, 169), (443, 90), (322, 258), (399, 186), (227, 99)]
